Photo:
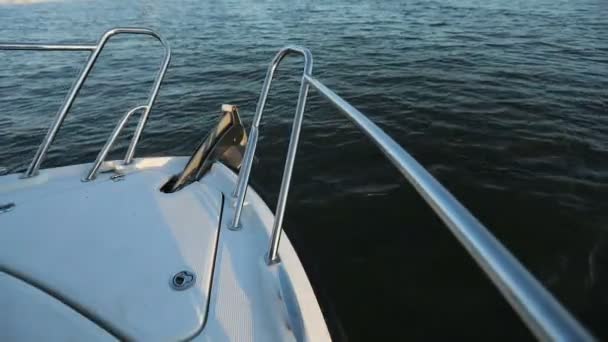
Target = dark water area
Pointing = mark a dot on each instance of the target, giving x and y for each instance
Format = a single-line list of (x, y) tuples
[(505, 102)]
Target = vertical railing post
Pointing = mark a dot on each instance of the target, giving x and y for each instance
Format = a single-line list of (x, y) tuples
[(273, 250), (151, 98), (32, 169), (243, 177), (243, 180)]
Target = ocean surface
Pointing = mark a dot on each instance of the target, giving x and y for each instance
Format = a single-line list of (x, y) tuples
[(505, 102)]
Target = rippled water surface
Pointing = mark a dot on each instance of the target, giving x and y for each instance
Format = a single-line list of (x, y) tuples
[(506, 102)]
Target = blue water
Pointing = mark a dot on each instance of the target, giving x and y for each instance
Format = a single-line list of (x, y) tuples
[(506, 102)]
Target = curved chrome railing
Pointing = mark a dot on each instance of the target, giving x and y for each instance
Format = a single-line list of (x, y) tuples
[(243, 180), (95, 50), (542, 313), (101, 157)]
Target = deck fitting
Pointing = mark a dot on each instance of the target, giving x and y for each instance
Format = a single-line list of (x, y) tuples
[(235, 228), (183, 280), (118, 177)]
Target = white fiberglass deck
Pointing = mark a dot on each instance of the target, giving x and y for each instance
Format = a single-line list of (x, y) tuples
[(95, 260)]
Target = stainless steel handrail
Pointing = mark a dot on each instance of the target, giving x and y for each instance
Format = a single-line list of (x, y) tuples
[(243, 179), (541, 312), (47, 47), (95, 50), (101, 157)]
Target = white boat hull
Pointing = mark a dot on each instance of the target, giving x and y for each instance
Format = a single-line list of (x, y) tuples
[(96, 259)]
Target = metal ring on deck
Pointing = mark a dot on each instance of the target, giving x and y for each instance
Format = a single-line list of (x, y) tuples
[(183, 280)]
